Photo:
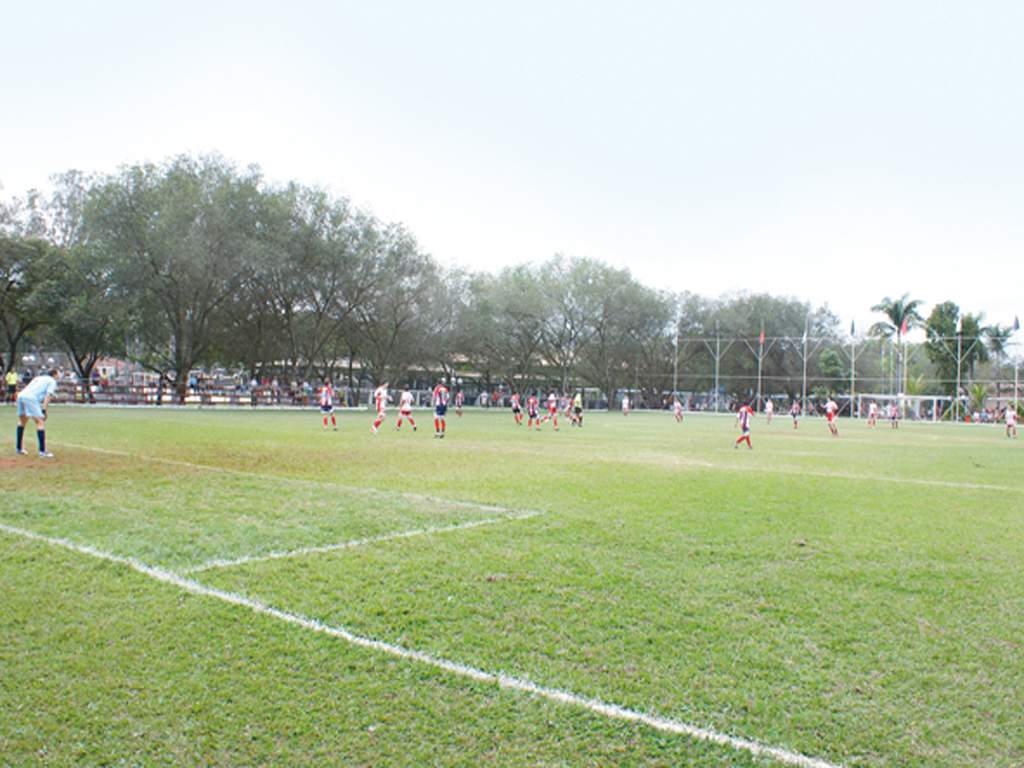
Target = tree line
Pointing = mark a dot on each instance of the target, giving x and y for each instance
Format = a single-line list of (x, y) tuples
[(195, 262)]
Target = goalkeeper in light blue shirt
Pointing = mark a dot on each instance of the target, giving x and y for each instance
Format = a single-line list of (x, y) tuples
[(32, 403)]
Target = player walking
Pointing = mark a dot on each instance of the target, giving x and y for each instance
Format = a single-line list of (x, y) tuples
[(405, 410), (327, 404), (533, 417), (517, 410), (459, 398), (831, 414), (872, 415), (1011, 421), (625, 405), (743, 418), (577, 409), (794, 412), (769, 410), (32, 404), (894, 416), (552, 409), (380, 400), (677, 409), (439, 399)]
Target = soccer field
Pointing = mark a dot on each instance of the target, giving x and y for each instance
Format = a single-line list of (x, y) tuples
[(235, 588)]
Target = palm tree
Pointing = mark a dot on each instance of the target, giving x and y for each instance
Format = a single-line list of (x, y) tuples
[(977, 395), (901, 315), (998, 337)]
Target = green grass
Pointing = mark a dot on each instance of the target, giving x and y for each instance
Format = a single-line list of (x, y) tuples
[(858, 600)]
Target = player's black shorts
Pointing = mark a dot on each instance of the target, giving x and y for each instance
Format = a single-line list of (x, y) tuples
[(327, 408), (533, 414), (517, 410), (577, 411), (440, 411)]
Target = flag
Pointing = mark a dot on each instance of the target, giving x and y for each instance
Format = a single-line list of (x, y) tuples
[(853, 327), (903, 327), (761, 337), (1016, 323), (960, 324)]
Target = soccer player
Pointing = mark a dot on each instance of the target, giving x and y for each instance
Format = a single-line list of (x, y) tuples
[(831, 414), (1011, 421), (552, 409), (625, 405), (517, 411), (743, 418), (577, 409), (531, 411), (677, 409), (439, 399), (12, 385), (894, 416), (32, 403), (872, 414), (458, 403), (380, 400), (769, 410), (405, 410), (794, 412), (327, 404)]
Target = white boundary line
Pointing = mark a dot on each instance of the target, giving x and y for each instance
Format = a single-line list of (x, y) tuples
[(315, 550), (695, 463), (522, 685), (411, 496)]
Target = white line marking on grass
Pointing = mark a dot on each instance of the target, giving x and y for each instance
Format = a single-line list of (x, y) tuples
[(522, 685), (315, 550), (409, 495)]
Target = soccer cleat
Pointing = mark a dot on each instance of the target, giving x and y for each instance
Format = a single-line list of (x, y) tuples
[(21, 452), (45, 455)]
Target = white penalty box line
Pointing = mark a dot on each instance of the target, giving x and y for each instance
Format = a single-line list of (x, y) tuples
[(507, 682), (352, 543)]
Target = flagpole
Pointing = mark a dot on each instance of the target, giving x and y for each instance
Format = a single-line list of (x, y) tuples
[(959, 346), (803, 386), (853, 374)]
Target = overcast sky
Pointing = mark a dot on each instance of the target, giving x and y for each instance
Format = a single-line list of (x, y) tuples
[(832, 151)]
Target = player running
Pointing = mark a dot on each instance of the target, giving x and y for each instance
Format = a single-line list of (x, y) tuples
[(625, 405), (327, 404), (439, 399), (532, 416), (380, 400), (743, 419), (872, 415), (552, 409), (794, 412), (517, 410), (405, 410), (677, 409), (577, 409), (769, 411), (1011, 421), (459, 399), (831, 414)]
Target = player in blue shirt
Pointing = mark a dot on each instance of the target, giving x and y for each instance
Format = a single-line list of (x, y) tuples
[(32, 403)]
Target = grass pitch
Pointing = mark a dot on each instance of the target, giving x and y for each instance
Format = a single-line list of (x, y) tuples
[(858, 600)]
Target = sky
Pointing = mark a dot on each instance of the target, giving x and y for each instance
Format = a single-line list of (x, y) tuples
[(835, 152)]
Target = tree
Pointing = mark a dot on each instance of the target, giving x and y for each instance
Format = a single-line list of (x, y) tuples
[(901, 316), (22, 265), (184, 230)]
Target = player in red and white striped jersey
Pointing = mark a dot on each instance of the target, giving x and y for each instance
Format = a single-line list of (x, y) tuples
[(552, 409), (1011, 420), (831, 414), (380, 400), (532, 416), (517, 410), (327, 404), (743, 417), (677, 408), (439, 399), (405, 410)]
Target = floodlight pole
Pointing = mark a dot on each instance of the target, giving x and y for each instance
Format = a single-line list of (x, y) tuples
[(853, 375), (959, 345), (675, 361), (718, 357), (803, 385), (760, 357)]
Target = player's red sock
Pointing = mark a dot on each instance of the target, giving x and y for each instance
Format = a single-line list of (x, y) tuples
[(325, 422), (377, 421), (411, 422), (443, 425), (437, 424), (334, 421)]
